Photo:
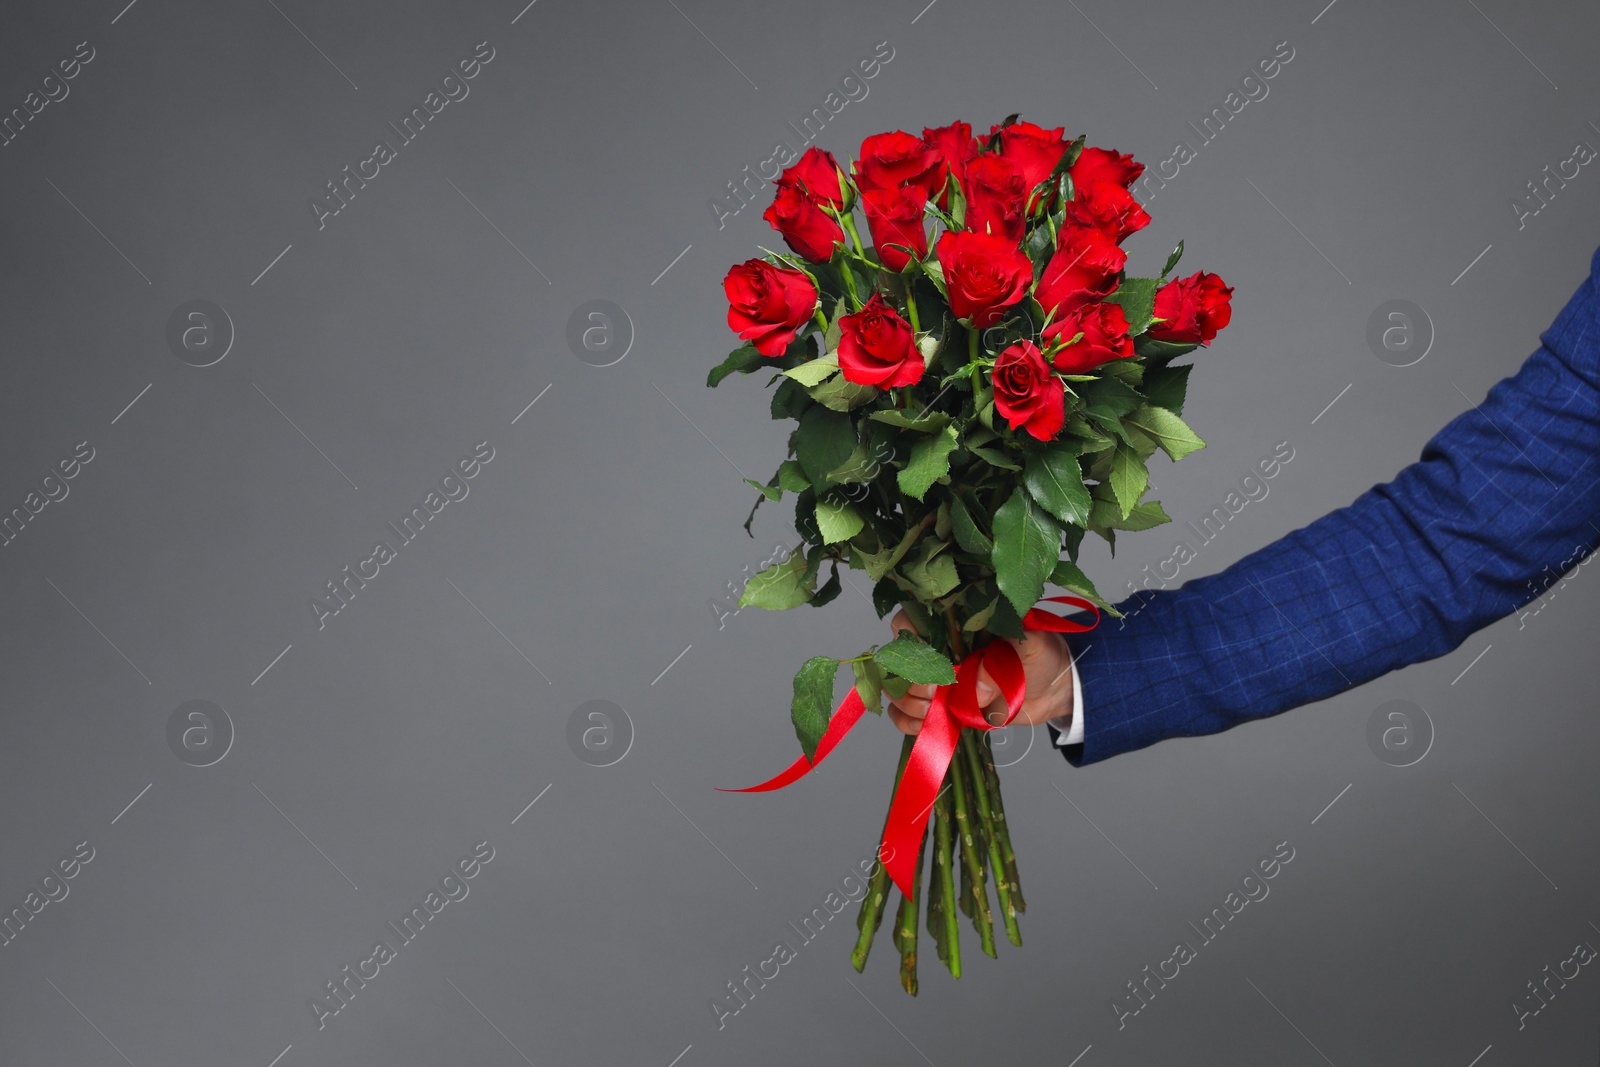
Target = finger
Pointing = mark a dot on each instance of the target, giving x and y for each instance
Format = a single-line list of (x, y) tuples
[(923, 690), (916, 707), (905, 723)]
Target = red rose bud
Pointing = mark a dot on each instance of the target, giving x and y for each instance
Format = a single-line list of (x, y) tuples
[(1083, 269), (1194, 308), (767, 304), (1107, 207), (893, 159), (895, 218), (817, 174), (1105, 164), (995, 192), (806, 228), (1105, 337), (983, 273), (1027, 393), (956, 146), (1033, 150), (876, 347)]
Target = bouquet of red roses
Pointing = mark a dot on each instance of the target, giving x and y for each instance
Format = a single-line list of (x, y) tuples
[(970, 401)]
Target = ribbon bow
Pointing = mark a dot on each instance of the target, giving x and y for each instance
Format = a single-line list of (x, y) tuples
[(952, 707)]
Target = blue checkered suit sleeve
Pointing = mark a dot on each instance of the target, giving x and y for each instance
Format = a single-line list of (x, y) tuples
[(1507, 492)]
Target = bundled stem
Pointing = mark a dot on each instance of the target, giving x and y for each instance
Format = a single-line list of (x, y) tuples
[(997, 810), (905, 931), (872, 905), (971, 857), (968, 756), (943, 922)]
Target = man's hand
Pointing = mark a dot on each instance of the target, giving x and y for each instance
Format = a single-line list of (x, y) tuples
[(1046, 664)]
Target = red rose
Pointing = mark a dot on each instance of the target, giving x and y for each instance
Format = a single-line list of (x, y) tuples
[(892, 159), (767, 305), (816, 174), (1084, 268), (1105, 337), (895, 218), (806, 228), (1034, 151), (1027, 393), (1105, 164), (1195, 308), (983, 273), (1106, 206), (876, 347), (956, 147), (995, 191)]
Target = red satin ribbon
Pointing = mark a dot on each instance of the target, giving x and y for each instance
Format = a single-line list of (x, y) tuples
[(952, 707)]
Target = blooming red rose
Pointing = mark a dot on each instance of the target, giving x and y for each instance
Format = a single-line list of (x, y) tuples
[(995, 191), (1027, 393), (767, 305), (956, 146), (891, 159), (1105, 206), (876, 347), (984, 274), (817, 174), (1033, 150), (806, 228), (1105, 164), (1195, 308), (1105, 337), (1084, 268), (895, 218)]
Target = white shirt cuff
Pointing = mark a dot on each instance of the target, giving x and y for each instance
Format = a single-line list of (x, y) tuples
[(1069, 728)]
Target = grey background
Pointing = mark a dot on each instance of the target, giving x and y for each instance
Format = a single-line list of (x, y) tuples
[(409, 729)]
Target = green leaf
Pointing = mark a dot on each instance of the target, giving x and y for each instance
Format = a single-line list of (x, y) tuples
[(815, 371), (779, 587), (932, 422), (823, 442), (966, 531), (1172, 260), (773, 493), (994, 458), (1169, 431), (869, 684), (1128, 478), (1027, 544), (789, 400), (743, 359), (933, 573), (1069, 577), (1055, 482), (930, 460), (1150, 348), (792, 477), (837, 518), (1144, 516), (1167, 387), (1138, 299), (895, 686), (879, 564), (830, 339), (981, 619), (935, 272), (840, 394), (829, 590), (812, 706), (916, 661)]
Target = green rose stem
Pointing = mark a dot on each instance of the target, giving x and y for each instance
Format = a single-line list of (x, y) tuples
[(905, 934), (997, 811), (1002, 886), (944, 863), (871, 914), (971, 858)]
